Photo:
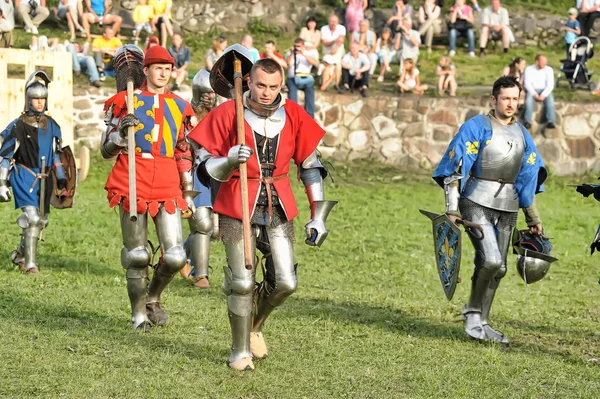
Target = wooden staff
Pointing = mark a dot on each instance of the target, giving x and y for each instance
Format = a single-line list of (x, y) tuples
[(131, 156), (239, 111)]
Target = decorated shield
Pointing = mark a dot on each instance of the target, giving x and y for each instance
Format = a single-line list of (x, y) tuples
[(62, 199), (447, 246)]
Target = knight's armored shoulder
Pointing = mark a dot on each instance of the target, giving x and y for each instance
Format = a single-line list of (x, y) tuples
[(313, 161)]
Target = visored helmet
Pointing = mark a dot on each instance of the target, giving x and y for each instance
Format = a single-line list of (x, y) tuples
[(533, 255), (36, 87), (221, 75), (128, 63)]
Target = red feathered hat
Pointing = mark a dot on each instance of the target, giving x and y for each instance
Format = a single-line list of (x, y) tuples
[(158, 55)]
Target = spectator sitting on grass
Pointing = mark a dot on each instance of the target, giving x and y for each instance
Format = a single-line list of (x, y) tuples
[(7, 23), (400, 10), (572, 29), (68, 10), (539, 83), (589, 11), (410, 80), (311, 35), (26, 9), (516, 69), (407, 42), (329, 68), (271, 52), (333, 36), (98, 12), (301, 61), (495, 22), (213, 53), (429, 22), (85, 62), (161, 21), (43, 43), (355, 70), (446, 73), (142, 15), (460, 22), (182, 56), (385, 52), (367, 43), (104, 48)]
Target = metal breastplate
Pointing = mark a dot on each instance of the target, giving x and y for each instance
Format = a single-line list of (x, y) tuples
[(491, 181)]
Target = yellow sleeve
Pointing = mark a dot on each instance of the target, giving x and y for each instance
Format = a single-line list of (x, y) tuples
[(136, 14)]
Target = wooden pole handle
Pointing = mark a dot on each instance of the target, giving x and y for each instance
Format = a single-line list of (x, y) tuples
[(241, 132), (131, 157)]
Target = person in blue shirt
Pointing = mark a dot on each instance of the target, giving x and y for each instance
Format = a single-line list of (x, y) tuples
[(29, 149), (572, 29), (98, 12)]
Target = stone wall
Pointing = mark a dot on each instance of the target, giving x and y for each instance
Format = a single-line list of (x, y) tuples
[(406, 131)]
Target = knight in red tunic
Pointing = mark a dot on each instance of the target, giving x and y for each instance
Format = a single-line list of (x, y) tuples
[(161, 121), (277, 131)]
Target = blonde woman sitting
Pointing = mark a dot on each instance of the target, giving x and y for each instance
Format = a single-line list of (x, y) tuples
[(446, 73), (410, 80)]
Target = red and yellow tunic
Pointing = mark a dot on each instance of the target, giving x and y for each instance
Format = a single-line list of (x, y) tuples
[(159, 145), (217, 133)]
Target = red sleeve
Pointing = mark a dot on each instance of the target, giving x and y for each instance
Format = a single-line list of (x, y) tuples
[(120, 101), (308, 132), (215, 131)]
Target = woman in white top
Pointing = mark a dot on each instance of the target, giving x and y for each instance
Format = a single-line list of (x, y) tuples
[(410, 80), (311, 35), (385, 51), (68, 9), (429, 22)]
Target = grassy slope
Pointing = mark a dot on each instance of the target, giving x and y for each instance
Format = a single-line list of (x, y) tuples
[(368, 320)]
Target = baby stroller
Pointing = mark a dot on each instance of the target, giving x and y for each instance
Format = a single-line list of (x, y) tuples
[(574, 68)]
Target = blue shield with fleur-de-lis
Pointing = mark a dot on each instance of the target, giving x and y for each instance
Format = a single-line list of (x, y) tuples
[(447, 245)]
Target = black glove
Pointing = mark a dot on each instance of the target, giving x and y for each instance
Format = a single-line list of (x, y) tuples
[(128, 121), (588, 189)]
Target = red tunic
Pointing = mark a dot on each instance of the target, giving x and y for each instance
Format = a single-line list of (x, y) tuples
[(217, 133), (159, 146)]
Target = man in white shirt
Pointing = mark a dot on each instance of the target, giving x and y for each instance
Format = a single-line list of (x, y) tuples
[(367, 42), (355, 70), (301, 61), (39, 12), (333, 36), (539, 83), (7, 23), (407, 42), (589, 10), (495, 22)]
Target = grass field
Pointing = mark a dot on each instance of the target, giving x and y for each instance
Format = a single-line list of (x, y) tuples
[(369, 319)]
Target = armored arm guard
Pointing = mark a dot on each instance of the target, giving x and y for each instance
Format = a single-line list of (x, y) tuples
[(112, 142), (61, 179), (452, 194), (532, 216), (5, 195), (220, 168)]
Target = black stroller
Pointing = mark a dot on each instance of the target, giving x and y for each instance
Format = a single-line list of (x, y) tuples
[(574, 68)]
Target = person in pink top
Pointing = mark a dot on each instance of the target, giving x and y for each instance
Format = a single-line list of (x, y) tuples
[(355, 12)]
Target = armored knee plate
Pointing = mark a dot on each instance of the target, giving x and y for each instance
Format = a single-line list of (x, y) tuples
[(30, 218), (488, 265), (173, 260), (202, 221), (136, 262), (238, 292)]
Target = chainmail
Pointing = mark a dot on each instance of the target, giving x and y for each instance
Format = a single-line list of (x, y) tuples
[(472, 211), (129, 71), (231, 229)]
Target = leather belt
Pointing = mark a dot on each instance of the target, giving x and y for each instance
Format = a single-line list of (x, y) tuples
[(502, 182), (38, 176), (267, 181)]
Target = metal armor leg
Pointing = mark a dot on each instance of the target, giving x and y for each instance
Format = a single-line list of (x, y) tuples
[(238, 286), (199, 246), (32, 225), (488, 261), (135, 259), (274, 293), (170, 238), (504, 233)]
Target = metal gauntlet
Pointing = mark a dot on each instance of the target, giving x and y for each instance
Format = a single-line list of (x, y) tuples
[(452, 194)]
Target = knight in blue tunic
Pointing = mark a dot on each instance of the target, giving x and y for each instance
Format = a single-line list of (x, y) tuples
[(29, 149), (491, 169)]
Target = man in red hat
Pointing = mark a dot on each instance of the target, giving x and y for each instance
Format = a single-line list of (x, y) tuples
[(161, 120)]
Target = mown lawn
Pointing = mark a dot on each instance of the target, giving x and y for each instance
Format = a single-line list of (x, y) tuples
[(369, 319)]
